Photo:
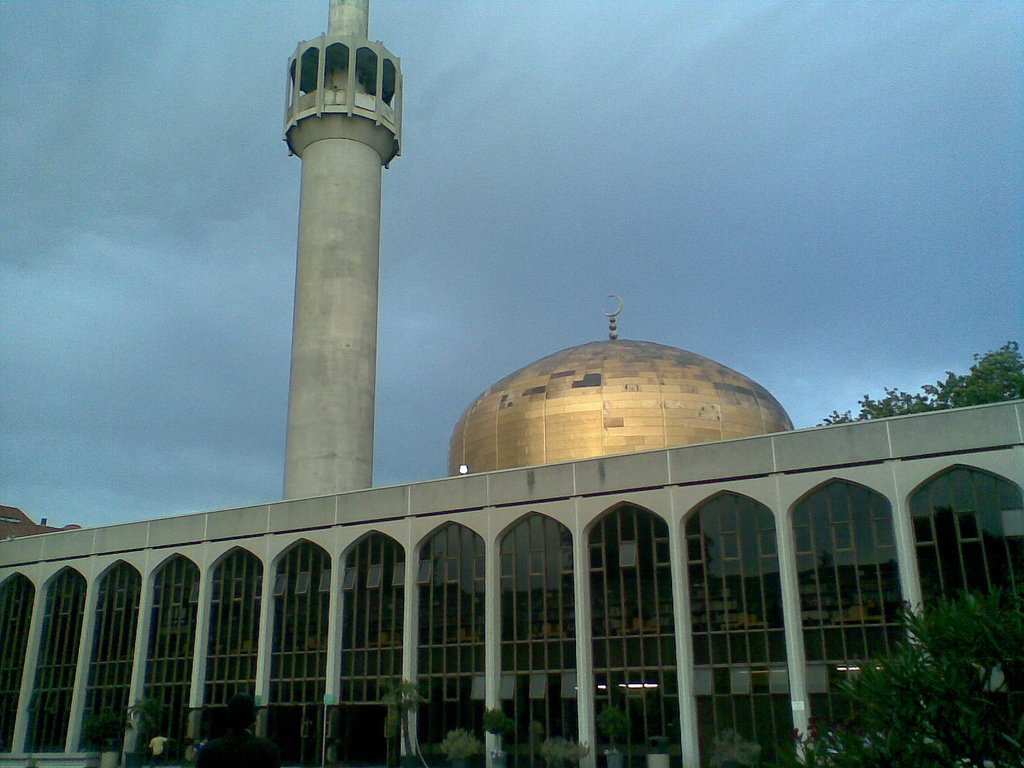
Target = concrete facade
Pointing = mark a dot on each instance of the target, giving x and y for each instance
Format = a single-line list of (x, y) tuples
[(891, 458)]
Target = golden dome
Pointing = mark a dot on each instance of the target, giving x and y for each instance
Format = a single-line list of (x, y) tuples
[(609, 397)]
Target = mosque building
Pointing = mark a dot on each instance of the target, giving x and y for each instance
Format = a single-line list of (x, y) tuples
[(624, 524)]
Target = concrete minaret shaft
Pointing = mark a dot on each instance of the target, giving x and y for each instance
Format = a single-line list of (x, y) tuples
[(343, 117)]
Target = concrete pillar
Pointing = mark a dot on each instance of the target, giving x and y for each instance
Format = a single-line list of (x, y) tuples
[(265, 643), (792, 619), (199, 651), (138, 679), (689, 732), (906, 545), (335, 619), (584, 645), (410, 624), (492, 634), (85, 643)]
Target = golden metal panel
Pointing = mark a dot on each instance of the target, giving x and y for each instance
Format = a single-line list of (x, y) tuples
[(609, 397)]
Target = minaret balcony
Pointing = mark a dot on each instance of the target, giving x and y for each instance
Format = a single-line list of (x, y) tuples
[(346, 75)]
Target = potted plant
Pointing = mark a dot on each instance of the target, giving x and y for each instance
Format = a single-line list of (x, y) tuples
[(499, 724), (459, 745), (402, 698), (562, 752), (613, 723), (105, 732), (732, 751), (144, 717)]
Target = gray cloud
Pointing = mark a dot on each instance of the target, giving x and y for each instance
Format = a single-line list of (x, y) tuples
[(824, 196)]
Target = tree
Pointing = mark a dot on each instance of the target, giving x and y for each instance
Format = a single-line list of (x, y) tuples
[(402, 698), (995, 377), (952, 694)]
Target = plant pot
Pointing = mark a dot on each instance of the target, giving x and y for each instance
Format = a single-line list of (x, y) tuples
[(460, 762), (109, 759), (411, 761), (614, 760)]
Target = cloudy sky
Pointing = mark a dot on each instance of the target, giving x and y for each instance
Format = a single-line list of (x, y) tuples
[(826, 197)]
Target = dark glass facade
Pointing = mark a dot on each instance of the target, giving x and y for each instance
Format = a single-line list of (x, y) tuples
[(538, 684), (450, 575), (171, 649), (113, 647), (848, 580), (50, 709), (235, 602), (298, 657), (633, 620), (969, 531), (17, 597), (739, 645), (373, 600)]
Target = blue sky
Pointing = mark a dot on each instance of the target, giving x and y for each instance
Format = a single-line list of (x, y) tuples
[(826, 196)]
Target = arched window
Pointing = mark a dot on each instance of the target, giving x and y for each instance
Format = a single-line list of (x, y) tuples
[(366, 70), (308, 70), (969, 529), (633, 622), (171, 648), (450, 575), (50, 708), (739, 644), (336, 67), (298, 657), (17, 596), (113, 647), (848, 582), (390, 80), (538, 630), (235, 601), (373, 598)]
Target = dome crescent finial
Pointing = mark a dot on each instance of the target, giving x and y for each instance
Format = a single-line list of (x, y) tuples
[(613, 331)]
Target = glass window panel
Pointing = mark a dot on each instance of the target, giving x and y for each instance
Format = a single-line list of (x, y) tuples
[(569, 685), (302, 583), (350, 579), (325, 581), (398, 575), (538, 685), (842, 536), (1013, 522), (374, 576), (968, 525), (778, 680), (739, 680), (922, 529), (702, 682), (730, 546), (280, 584), (479, 688), (426, 569), (566, 559), (817, 678), (507, 687), (802, 536), (627, 554)]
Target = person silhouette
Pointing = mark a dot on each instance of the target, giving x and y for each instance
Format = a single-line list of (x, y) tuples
[(238, 748)]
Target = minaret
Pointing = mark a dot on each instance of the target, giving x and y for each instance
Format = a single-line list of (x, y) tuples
[(343, 117)]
